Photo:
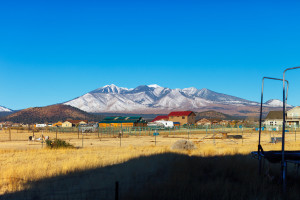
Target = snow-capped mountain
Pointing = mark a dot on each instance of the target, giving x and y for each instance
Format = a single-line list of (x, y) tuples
[(3, 109), (275, 103), (156, 99)]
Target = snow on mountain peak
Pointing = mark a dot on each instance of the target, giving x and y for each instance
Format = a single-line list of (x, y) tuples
[(190, 90), (3, 109), (110, 89), (154, 86), (275, 103), (204, 90), (112, 98), (111, 85)]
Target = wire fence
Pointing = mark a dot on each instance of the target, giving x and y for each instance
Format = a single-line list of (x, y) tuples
[(99, 133)]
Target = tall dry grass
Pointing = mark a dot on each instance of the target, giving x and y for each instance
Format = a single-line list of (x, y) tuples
[(165, 176), (21, 166)]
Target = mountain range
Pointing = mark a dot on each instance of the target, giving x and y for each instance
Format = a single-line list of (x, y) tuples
[(155, 99)]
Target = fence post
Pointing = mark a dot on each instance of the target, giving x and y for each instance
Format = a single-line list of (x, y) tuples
[(214, 136), (9, 134), (117, 190), (120, 135), (101, 133), (242, 135), (82, 137)]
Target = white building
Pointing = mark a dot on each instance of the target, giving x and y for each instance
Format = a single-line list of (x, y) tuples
[(293, 116), (166, 124), (275, 118), (40, 125), (162, 124)]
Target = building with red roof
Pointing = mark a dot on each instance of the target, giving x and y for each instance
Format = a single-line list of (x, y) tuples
[(161, 118), (183, 117)]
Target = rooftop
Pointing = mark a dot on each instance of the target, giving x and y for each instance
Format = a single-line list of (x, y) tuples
[(161, 117), (181, 113), (275, 115)]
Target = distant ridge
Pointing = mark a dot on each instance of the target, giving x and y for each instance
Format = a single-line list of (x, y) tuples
[(211, 114), (50, 114), (4, 109)]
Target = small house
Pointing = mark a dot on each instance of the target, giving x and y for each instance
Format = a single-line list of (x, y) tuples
[(73, 123), (274, 118), (204, 122), (224, 122), (183, 117), (293, 116)]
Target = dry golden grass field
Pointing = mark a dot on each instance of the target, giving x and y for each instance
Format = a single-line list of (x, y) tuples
[(217, 169)]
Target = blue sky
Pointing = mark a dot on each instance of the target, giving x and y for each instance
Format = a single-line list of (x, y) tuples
[(54, 51)]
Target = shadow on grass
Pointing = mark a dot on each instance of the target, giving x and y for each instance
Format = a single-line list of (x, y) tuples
[(166, 176)]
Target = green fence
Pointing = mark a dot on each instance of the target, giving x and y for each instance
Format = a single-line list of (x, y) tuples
[(144, 131)]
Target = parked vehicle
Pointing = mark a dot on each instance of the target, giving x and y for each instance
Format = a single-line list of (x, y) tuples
[(88, 128)]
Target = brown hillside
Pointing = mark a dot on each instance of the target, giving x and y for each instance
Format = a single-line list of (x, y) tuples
[(211, 114), (49, 114)]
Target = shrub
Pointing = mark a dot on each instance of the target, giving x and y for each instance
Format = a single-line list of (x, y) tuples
[(57, 143), (183, 145)]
